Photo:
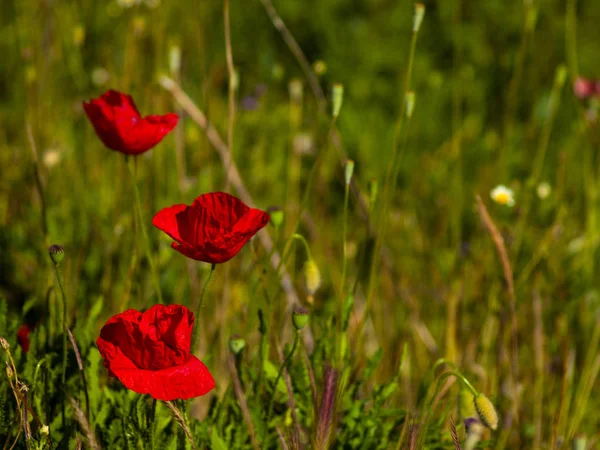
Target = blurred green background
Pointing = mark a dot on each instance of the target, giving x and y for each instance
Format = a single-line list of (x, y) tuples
[(491, 108)]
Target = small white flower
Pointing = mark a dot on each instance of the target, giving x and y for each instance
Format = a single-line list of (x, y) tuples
[(543, 190), (503, 195), (51, 158)]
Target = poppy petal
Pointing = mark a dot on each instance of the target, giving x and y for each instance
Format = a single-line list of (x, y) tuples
[(213, 229), (183, 381), (120, 127)]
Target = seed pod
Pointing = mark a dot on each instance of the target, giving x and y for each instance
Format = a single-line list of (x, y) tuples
[(57, 253), (299, 317), (236, 344)]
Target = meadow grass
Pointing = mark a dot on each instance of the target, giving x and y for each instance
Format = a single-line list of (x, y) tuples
[(437, 317)]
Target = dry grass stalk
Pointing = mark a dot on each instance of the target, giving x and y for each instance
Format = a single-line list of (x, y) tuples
[(508, 276), (239, 393), (181, 421), (454, 434), (83, 424)]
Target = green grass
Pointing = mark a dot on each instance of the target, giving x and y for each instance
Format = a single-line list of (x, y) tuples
[(413, 284)]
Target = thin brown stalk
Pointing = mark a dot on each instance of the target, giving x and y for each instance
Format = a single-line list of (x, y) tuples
[(538, 387), (313, 81), (284, 445), (454, 434), (39, 184), (81, 372), (508, 276), (181, 421), (231, 85), (83, 424), (234, 177), (241, 397)]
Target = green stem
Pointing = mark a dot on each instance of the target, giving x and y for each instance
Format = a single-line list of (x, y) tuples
[(343, 280), (60, 279), (138, 207), (388, 191), (200, 306), (280, 373)]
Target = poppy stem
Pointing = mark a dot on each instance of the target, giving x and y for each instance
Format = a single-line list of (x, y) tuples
[(60, 279), (200, 307), (138, 207), (286, 362)]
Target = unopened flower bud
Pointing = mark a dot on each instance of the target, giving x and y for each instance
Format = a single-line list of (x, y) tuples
[(560, 75), (418, 17), (57, 253), (4, 343), (299, 317), (337, 98), (348, 171), (276, 214), (466, 404), (409, 101), (312, 277), (236, 344), (486, 411), (9, 371), (174, 59)]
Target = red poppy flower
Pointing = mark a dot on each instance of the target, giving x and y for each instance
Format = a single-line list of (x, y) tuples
[(585, 88), (213, 229), (121, 127), (149, 353), (23, 336)]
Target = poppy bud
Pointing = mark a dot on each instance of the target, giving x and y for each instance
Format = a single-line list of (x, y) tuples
[(299, 317), (486, 411), (312, 277), (4, 343), (418, 17), (276, 215), (236, 344), (9, 371), (337, 97), (174, 59), (560, 76), (466, 405), (57, 253), (349, 170), (409, 101)]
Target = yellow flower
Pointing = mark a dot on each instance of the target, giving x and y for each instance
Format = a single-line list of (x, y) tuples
[(503, 195)]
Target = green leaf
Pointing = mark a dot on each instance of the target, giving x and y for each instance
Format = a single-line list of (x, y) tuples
[(216, 443)]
